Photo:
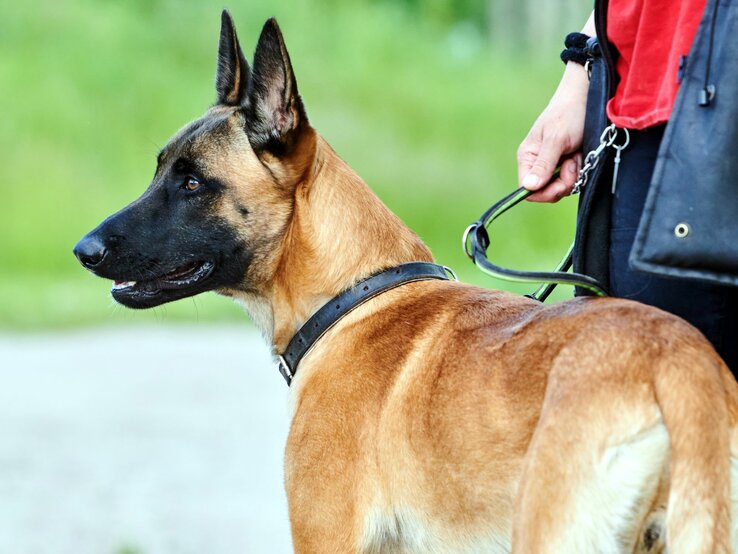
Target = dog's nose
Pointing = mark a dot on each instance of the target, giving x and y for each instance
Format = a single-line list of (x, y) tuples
[(90, 251)]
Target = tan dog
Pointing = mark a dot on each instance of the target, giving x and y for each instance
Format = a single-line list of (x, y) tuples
[(435, 417)]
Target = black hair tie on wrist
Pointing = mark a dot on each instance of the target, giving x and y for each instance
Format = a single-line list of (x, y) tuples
[(576, 48)]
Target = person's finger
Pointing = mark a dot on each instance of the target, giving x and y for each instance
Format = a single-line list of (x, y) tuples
[(553, 192), (559, 186), (527, 154), (569, 172), (563, 183), (545, 164)]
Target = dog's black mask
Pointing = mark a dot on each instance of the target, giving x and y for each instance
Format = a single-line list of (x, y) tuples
[(167, 245), (213, 207)]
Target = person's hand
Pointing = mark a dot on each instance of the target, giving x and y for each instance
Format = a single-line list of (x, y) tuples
[(555, 140)]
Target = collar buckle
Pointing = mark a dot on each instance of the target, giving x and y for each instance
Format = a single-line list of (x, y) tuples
[(284, 369)]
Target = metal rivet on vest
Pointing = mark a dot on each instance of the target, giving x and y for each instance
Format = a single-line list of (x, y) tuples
[(681, 230)]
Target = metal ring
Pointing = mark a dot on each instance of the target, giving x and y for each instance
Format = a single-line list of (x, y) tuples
[(465, 240), (627, 140), (613, 135), (285, 366), (681, 230), (608, 135)]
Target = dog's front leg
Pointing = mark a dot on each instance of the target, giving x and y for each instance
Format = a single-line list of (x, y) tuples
[(322, 484), (321, 515)]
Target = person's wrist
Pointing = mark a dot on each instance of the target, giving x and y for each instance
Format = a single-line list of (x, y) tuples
[(575, 48), (576, 75), (573, 86)]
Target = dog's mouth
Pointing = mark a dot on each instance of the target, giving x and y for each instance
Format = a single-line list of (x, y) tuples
[(183, 281)]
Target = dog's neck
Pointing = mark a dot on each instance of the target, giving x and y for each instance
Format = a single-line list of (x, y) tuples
[(339, 233)]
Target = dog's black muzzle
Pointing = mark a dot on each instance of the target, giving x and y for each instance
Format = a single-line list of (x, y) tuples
[(102, 250), (155, 256), (90, 251)]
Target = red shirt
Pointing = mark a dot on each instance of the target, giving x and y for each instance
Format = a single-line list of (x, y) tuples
[(651, 36)]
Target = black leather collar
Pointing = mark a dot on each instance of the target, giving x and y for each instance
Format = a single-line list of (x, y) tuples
[(339, 306)]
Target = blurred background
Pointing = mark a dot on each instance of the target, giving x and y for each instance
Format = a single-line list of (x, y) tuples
[(162, 431)]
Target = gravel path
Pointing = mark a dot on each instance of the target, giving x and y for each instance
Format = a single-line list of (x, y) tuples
[(159, 440)]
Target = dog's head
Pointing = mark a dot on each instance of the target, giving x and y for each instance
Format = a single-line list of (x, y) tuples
[(222, 194)]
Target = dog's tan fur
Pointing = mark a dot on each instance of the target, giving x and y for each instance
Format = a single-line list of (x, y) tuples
[(441, 417)]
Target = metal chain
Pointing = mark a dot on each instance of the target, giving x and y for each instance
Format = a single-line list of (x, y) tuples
[(592, 159)]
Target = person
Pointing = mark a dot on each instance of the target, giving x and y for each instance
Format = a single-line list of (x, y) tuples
[(652, 40)]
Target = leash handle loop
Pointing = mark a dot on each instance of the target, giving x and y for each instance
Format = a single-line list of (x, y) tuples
[(476, 241)]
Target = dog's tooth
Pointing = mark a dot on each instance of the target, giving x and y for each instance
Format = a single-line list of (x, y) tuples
[(123, 284)]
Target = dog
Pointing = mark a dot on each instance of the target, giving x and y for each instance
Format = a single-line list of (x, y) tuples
[(434, 416)]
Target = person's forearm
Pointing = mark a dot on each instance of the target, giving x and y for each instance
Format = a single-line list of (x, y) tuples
[(555, 140), (575, 79), (589, 27)]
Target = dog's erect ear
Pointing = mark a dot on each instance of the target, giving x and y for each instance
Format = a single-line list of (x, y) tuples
[(274, 110), (232, 76)]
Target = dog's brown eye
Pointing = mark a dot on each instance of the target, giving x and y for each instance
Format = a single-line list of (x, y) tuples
[(192, 184)]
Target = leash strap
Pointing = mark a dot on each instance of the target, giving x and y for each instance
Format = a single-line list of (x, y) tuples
[(476, 241), (327, 316)]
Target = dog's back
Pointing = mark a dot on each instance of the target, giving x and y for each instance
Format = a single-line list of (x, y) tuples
[(453, 403)]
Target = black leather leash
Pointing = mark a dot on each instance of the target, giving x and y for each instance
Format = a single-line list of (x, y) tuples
[(327, 316), (476, 241)]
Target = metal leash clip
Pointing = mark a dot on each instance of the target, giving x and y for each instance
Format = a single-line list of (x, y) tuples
[(592, 159)]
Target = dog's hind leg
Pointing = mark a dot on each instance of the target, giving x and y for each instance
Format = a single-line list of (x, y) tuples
[(593, 470)]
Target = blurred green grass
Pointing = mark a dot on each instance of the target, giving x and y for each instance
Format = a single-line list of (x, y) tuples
[(429, 115)]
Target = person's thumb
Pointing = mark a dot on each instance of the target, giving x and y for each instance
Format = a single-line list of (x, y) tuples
[(544, 166)]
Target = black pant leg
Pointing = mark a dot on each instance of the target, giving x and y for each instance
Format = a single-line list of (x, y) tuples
[(711, 308)]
